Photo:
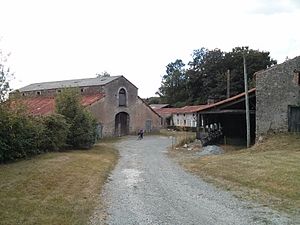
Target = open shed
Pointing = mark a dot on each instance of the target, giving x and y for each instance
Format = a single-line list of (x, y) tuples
[(227, 119)]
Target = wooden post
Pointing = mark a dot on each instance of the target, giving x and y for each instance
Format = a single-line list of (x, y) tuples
[(246, 101), (228, 83)]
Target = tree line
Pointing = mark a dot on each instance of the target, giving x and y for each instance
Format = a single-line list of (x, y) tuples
[(205, 75)]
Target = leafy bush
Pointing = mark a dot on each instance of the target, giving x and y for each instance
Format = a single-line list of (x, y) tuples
[(82, 133), (20, 135), (55, 133)]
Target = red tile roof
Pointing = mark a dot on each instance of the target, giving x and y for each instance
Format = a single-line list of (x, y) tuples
[(43, 105)]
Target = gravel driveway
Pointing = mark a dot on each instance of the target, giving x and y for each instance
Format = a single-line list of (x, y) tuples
[(146, 187)]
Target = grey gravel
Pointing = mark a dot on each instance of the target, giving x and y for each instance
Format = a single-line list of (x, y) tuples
[(210, 150), (146, 187)]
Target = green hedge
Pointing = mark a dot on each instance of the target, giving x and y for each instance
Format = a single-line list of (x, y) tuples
[(22, 135)]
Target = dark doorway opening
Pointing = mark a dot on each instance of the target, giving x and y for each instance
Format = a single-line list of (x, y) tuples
[(121, 124), (294, 119)]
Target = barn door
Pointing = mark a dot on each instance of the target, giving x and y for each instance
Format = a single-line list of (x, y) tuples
[(122, 124), (294, 118)]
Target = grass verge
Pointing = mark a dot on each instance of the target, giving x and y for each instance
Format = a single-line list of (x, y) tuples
[(55, 188), (269, 172)]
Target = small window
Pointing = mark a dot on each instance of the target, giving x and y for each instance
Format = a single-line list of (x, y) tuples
[(184, 122), (298, 76), (183, 114), (82, 90), (177, 114), (58, 91), (23, 94), (38, 93), (122, 97)]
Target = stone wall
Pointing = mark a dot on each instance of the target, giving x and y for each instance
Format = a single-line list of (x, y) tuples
[(53, 92), (276, 89), (105, 111)]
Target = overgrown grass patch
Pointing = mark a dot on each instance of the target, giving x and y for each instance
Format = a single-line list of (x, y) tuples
[(179, 137), (269, 172), (55, 188)]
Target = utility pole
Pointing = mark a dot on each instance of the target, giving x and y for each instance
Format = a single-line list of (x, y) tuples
[(228, 83), (246, 100)]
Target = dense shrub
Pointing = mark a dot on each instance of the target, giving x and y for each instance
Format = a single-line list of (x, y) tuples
[(20, 135), (56, 131), (82, 132)]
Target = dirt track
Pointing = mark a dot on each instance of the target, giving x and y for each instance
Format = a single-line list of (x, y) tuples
[(146, 187)]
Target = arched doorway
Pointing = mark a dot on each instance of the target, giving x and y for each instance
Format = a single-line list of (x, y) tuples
[(122, 124)]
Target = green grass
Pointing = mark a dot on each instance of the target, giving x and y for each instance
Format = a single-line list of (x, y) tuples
[(55, 188), (269, 172)]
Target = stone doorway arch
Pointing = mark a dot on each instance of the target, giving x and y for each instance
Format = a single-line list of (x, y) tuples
[(122, 124)]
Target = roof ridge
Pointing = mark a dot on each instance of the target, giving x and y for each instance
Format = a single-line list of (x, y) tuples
[(55, 81)]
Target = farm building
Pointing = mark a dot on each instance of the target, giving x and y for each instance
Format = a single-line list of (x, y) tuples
[(186, 116), (166, 116), (278, 98), (113, 101), (227, 118)]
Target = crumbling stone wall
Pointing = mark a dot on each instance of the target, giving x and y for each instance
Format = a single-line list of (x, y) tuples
[(276, 89)]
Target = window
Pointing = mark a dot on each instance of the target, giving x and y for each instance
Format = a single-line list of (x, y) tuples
[(58, 91), (297, 77), (184, 122), (122, 97), (23, 94), (38, 93), (82, 90)]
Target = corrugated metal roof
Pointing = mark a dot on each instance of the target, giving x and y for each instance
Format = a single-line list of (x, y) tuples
[(69, 83), (227, 100), (185, 109), (191, 108), (46, 105), (158, 106)]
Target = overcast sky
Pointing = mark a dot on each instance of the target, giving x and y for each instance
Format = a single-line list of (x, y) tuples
[(69, 39)]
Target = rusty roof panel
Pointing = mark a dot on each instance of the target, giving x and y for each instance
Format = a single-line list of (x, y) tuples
[(38, 106)]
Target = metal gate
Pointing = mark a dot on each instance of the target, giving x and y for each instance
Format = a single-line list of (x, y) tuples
[(294, 119)]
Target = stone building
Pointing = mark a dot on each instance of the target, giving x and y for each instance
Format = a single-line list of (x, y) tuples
[(113, 101), (278, 98)]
